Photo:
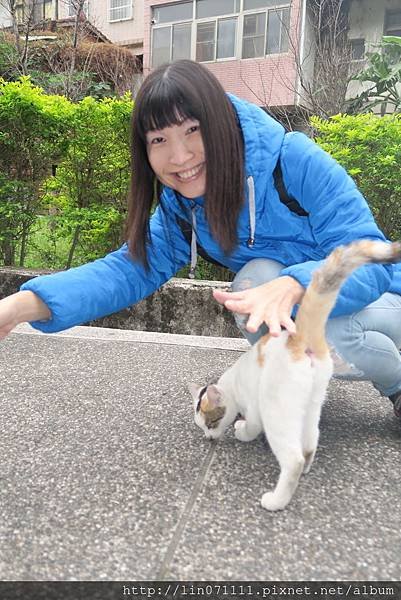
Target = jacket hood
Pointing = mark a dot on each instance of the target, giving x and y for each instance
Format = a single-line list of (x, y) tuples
[(263, 137)]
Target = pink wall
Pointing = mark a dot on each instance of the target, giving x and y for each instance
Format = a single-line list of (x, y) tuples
[(264, 81)]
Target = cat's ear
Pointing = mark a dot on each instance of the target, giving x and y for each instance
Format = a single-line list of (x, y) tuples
[(212, 399), (194, 390)]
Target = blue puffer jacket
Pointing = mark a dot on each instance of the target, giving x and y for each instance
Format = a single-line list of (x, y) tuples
[(337, 211)]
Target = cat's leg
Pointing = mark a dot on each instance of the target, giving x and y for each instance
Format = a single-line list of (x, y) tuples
[(282, 418), (248, 429), (323, 370)]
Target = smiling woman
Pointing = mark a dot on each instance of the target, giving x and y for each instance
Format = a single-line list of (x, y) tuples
[(204, 167), (191, 126)]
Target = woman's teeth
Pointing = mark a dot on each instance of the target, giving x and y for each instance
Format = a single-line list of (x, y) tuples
[(190, 173)]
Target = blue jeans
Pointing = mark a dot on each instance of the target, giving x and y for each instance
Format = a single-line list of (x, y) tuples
[(365, 345)]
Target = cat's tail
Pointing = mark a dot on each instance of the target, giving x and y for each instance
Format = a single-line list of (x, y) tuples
[(323, 290)]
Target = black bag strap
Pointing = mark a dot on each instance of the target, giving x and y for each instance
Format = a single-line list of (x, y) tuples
[(291, 203)]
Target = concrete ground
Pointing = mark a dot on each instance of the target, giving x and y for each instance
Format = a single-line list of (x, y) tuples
[(104, 475)]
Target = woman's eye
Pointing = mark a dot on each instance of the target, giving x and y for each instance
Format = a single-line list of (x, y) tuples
[(157, 140), (193, 128)]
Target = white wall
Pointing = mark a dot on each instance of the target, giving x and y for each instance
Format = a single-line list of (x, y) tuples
[(127, 33)]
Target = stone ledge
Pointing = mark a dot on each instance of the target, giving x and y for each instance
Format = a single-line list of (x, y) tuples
[(181, 306)]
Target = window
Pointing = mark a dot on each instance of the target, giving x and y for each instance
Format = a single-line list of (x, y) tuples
[(210, 30), (120, 10), (216, 8), (252, 4), (175, 12), (205, 41), (216, 39), (181, 46), (171, 43), (226, 38), (393, 22), (253, 37), (357, 49), (161, 47), (277, 31)]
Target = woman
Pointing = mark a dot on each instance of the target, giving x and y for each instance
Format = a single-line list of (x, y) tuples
[(208, 159)]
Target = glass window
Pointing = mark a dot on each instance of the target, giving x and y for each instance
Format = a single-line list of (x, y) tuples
[(357, 49), (252, 4), (393, 21), (161, 46), (205, 41), (174, 12), (253, 39), (120, 10), (181, 41), (277, 31), (214, 8), (226, 36)]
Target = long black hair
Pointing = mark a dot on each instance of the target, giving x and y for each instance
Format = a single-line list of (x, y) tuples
[(170, 94)]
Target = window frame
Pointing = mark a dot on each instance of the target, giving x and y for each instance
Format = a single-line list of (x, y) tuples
[(129, 4)]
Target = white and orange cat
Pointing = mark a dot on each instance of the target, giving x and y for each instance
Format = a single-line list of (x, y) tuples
[(279, 384)]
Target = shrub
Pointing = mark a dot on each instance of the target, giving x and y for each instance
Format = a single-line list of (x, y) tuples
[(369, 147), (91, 183), (33, 136)]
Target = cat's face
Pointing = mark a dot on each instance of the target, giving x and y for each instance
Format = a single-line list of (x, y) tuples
[(211, 413)]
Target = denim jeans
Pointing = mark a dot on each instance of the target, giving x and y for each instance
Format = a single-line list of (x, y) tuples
[(364, 345)]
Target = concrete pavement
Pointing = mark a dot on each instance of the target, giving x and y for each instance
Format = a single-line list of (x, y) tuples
[(104, 475)]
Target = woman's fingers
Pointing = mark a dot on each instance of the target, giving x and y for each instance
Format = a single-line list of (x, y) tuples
[(271, 303), (221, 296)]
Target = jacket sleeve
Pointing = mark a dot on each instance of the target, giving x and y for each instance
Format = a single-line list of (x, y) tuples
[(112, 283), (338, 214)]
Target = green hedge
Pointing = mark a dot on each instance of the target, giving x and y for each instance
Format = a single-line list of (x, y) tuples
[(64, 173), (68, 160), (369, 147)]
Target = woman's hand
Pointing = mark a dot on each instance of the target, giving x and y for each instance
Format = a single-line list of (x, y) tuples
[(271, 303), (20, 307)]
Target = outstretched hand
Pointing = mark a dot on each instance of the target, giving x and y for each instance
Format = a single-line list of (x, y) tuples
[(7, 316), (20, 307), (271, 303)]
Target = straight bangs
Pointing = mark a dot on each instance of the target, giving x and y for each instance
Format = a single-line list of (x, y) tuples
[(164, 105)]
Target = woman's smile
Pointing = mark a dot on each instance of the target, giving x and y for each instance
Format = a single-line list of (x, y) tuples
[(177, 157)]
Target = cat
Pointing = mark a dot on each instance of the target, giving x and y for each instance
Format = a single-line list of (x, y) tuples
[(279, 385)]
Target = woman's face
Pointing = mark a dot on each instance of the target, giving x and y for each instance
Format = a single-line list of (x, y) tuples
[(177, 157)]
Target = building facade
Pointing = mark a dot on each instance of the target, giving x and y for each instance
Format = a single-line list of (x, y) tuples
[(248, 44), (259, 49)]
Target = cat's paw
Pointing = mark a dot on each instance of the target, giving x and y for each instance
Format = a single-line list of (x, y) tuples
[(270, 501), (240, 431)]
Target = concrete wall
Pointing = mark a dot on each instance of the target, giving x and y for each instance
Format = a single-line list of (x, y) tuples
[(181, 306)]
